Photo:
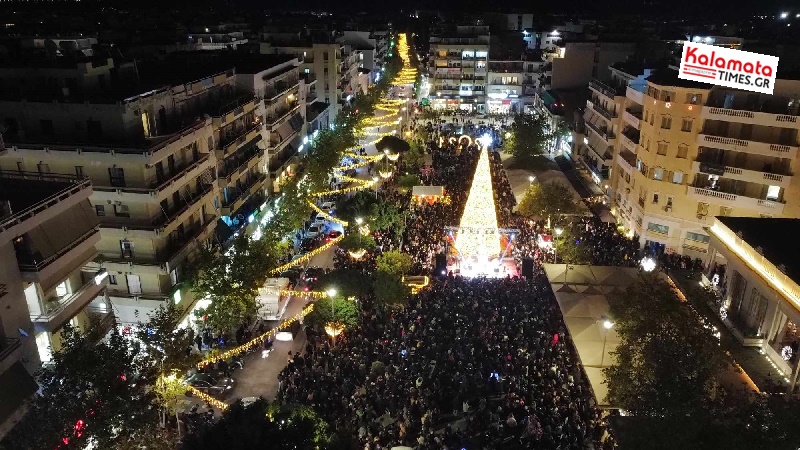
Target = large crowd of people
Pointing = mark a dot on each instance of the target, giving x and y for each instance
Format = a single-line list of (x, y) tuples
[(469, 363)]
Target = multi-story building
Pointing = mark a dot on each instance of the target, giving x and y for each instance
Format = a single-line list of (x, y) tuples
[(705, 151), (504, 90), (334, 65), (754, 268), (458, 63), (170, 148), (573, 64), (611, 121), (48, 234)]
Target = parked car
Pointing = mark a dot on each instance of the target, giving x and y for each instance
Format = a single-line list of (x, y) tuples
[(313, 273), (328, 206), (332, 235), (208, 384), (310, 244), (315, 230)]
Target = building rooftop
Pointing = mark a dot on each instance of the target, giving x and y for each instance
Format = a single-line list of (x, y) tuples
[(669, 77), (773, 236)]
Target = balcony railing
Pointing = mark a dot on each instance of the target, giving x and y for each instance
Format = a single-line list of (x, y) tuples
[(52, 309), (605, 89), (743, 145), (235, 106), (7, 347), (72, 186), (602, 132), (280, 115), (28, 263), (751, 117), (238, 136), (600, 110), (164, 219), (159, 186)]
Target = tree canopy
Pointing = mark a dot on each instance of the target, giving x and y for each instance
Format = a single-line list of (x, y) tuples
[(529, 136), (394, 263), (390, 290), (543, 200), (336, 309), (356, 241)]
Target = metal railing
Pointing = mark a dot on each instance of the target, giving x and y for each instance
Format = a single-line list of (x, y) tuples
[(7, 347), (52, 309), (74, 186), (237, 103), (36, 266), (238, 135)]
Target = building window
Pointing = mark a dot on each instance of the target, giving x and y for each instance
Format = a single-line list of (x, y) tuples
[(116, 176), (126, 249), (773, 193), (725, 211), (702, 209), (306, 70), (677, 177), (662, 148), (656, 228), (694, 99), (134, 284), (43, 168), (100, 210), (738, 288), (669, 202), (686, 125), (122, 211), (666, 122), (61, 289), (658, 174), (683, 151), (79, 171), (697, 237), (112, 279), (655, 197)]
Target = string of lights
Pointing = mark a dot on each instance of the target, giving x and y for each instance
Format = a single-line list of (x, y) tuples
[(307, 257), (480, 213), (326, 215)]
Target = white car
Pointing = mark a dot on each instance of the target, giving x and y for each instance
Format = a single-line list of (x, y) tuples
[(315, 230), (328, 206)]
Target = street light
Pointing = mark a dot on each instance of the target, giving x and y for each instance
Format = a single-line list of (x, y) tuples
[(648, 264), (375, 182), (333, 328), (555, 246), (531, 179), (607, 326)]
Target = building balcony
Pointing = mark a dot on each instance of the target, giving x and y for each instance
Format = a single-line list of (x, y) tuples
[(233, 203), (56, 313), (608, 115), (280, 116), (605, 90), (157, 190), (233, 172), (762, 206), (166, 221), (232, 110), (177, 250), (750, 117), (626, 160), (632, 118), (743, 145), (238, 138), (279, 90), (74, 191), (104, 321), (37, 268), (735, 173), (607, 136), (10, 352), (635, 93), (601, 154)]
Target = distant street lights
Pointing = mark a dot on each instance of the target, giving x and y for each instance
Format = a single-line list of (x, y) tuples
[(558, 231), (607, 326), (648, 264)]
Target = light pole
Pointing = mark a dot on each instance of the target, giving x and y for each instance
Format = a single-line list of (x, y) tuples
[(648, 264), (375, 181), (531, 179), (359, 221), (333, 329), (555, 244), (607, 326)]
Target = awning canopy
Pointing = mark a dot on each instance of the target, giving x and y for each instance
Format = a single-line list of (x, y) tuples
[(427, 191), (16, 386)]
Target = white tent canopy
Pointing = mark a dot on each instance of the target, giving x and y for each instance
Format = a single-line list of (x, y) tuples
[(427, 191), (582, 293)]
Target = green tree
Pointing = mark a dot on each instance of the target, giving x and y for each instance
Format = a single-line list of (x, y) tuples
[(407, 182), (163, 343), (261, 425), (529, 136), (347, 282), (337, 309), (231, 280), (667, 363), (543, 200), (390, 290), (571, 250), (356, 241), (394, 263), (88, 394)]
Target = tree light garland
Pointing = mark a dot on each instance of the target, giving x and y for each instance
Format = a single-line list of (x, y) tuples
[(479, 213), (307, 257), (326, 215)]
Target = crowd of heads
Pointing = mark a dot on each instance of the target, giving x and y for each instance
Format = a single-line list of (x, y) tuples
[(469, 363)]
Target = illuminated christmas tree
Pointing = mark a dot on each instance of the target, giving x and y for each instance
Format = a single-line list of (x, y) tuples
[(478, 234)]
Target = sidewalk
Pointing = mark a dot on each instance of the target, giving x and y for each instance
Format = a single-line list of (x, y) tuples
[(751, 361)]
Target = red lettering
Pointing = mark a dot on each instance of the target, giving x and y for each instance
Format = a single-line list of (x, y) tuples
[(766, 71), (703, 60), (720, 62), (690, 53), (748, 67), (758, 67)]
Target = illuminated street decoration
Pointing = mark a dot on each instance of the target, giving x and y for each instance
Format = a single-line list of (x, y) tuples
[(478, 234)]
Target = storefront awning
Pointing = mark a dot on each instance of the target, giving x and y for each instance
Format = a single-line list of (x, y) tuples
[(16, 386)]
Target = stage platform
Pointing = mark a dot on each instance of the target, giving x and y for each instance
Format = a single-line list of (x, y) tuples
[(491, 269)]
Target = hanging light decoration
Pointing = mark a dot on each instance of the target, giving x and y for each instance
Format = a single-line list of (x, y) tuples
[(385, 173), (357, 254), (393, 156), (334, 329)]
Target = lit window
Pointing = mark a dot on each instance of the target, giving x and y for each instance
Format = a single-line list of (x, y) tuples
[(61, 289), (773, 192), (658, 174), (677, 177), (666, 122), (657, 228)]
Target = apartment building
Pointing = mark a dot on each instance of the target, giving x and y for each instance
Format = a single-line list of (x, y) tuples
[(149, 143), (754, 268), (702, 152), (458, 67), (611, 122), (48, 234), (573, 64), (335, 66), (512, 84)]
